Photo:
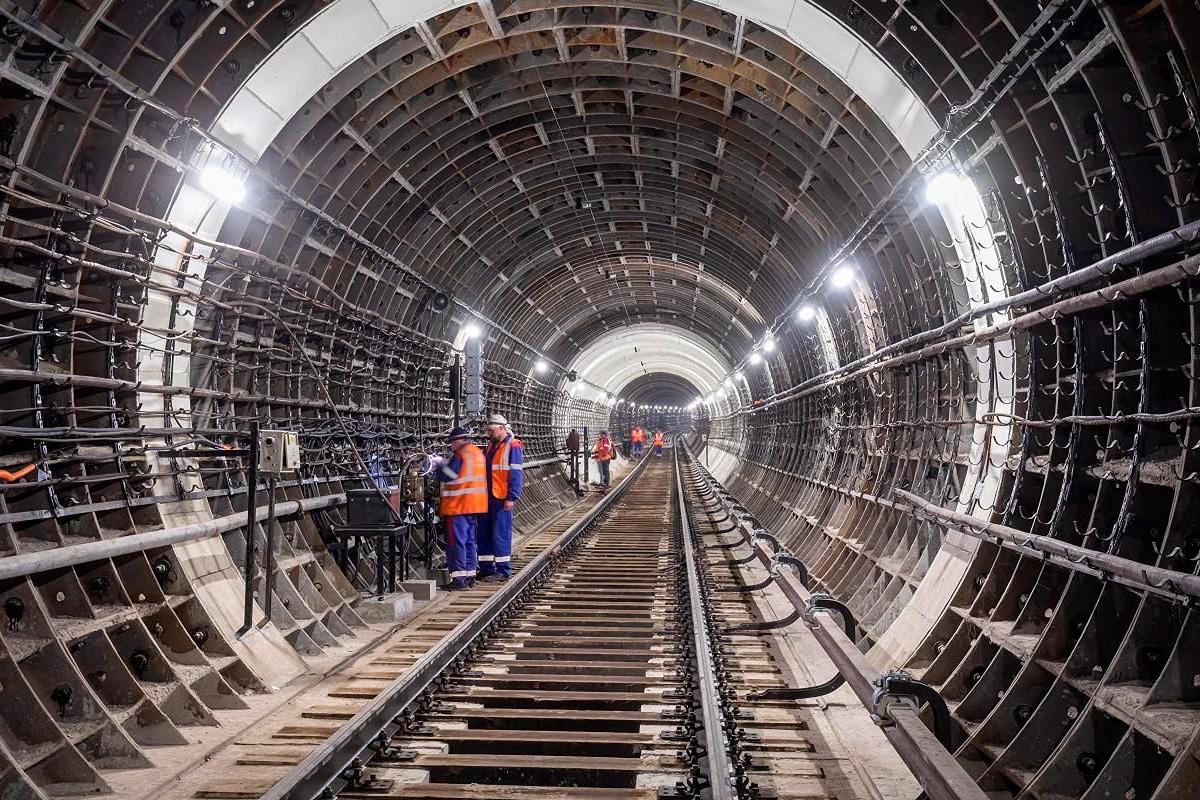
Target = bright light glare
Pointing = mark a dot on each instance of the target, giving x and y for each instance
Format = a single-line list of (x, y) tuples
[(768, 345), (842, 277), (222, 184), (755, 358), (472, 331), (806, 314), (944, 188), (729, 383), (739, 376), (541, 367)]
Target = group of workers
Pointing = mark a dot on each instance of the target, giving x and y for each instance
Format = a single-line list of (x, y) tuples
[(480, 491), (638, 437), (606, 450)]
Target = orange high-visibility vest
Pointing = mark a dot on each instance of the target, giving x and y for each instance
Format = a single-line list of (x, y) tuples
[(604, 449), (658, 439), (466, 494), (502, 466), (639, 435)]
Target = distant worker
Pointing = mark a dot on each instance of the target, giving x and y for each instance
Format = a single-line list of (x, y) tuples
[(506, 477), (573, 454), (464, 503), (605, 450), (658, 444), (638, 437)]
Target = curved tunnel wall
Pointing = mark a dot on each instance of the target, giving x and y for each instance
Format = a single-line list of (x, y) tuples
[(561, 172)]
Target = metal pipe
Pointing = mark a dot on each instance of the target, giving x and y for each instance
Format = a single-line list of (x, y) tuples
[(937, 770), (269, 563), (1141, 576), (1182, 270), (70, 555), (248, 562)]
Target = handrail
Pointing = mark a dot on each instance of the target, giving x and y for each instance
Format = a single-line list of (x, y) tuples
[(935, 768), (70, 555), (326, 765), (1169, 583)]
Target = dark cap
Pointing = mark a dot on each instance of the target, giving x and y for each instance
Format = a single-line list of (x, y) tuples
[(459, 433)]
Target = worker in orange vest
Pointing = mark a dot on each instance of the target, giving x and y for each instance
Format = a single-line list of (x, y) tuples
[(658, 443), (506, 478), (638, 437), (605, 450), (464, 501)]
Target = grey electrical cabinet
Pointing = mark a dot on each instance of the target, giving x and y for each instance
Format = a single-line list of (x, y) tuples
[(473, 383)]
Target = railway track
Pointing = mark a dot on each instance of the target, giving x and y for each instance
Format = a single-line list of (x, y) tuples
[(618, 671)]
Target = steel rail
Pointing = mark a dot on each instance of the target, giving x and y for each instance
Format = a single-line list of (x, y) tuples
[(935, 768), (321, 771), (721, 772)]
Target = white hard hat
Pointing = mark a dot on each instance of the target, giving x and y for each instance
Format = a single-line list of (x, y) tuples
[(496, 419)]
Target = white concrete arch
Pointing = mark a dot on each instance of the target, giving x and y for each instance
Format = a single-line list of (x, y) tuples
[(615, 360), (346, 30)]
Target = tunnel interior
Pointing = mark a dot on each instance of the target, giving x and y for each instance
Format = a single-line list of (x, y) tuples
[(910, 277)]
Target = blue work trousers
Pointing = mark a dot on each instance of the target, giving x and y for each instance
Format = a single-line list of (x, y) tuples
[(461, 532), (495, 540)]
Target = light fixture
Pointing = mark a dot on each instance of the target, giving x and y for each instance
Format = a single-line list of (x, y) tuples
[(471, 331), (806, 313), (943, 188), (541, 367), (842, 277), (222, 183), (755, 358), (739, 376), (720, 391), (768, 344), (729, 383)]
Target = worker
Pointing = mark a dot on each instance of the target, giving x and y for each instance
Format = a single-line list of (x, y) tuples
[(464, 502), (505, 459), (638, 437), (605, 450), (658, 443)]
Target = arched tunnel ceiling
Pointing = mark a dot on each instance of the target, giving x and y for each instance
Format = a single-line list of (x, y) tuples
[(571, 169)]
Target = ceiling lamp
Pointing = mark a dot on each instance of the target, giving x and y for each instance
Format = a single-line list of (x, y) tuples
[(842, 277)]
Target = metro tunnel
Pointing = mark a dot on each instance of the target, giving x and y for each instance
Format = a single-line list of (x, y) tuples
[(906, 289)]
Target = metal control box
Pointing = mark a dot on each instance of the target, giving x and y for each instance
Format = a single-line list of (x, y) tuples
[(473, 366), (278, 451)]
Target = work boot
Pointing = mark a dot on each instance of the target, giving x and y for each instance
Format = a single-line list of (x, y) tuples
[(494, 577), (454, 586)]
